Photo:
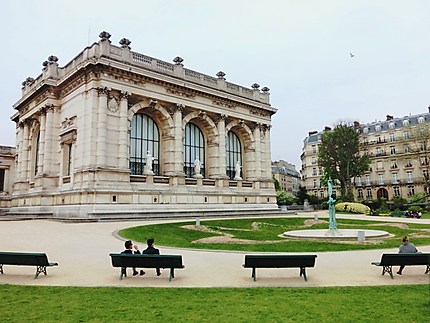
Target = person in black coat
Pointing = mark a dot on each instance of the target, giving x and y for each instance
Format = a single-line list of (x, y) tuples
[(152, 251), (129, 246)]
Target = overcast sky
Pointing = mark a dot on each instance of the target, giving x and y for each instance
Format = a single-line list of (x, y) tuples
[(299, 49)]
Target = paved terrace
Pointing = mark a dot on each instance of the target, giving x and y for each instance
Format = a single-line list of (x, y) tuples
[(82, 251)]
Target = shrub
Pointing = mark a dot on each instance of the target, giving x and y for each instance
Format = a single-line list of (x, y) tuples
[(352, 207), (415, 208)]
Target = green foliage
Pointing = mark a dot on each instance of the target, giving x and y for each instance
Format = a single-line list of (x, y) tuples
[(302, 195), (129, 304), (339, 156), (276, 182), (417, 198), (283, 198), (398, 202), (383, 208), (267, 230), (352, 207)]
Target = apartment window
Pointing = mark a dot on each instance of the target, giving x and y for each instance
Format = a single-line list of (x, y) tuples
[(314, 171), (395, 178), (314, 149), (67, 159), (379, 151), (379, 165), (360, 193), (321, 194), (380, 179), (320, 171), (392, 150), (424, 160), (411, 190), (314, 160), (409, 176), (358, 180), (392, 137), (366, 152), (393, 164), (408, 163), (406, 148), (406, 135), (422, 146), (369, 193), (315, 183), (426, 174), (396, 190), (367, 179)]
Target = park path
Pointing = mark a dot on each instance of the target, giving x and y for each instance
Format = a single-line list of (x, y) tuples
[(82, 251)]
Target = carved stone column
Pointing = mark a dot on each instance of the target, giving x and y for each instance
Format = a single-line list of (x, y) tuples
[(102, 126), (221, 147), (267, 160), (41, 141), (49, 140), (178, 147), (20, 151), (25, 159), (257, 153), (123, 131)]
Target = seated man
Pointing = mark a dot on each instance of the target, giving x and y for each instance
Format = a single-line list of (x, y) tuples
[(406, 247), (152, 251), (129, 249)]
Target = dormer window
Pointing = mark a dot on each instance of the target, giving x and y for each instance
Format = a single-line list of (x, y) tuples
[(378, 127), (421, 120), (392, 125), (405, 123)]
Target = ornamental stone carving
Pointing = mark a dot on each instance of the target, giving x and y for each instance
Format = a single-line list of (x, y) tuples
[(181, 92), (124, 95), (104, 35), (112, 104), (265, 89), (125, 43), (221, 75), (178, 60), (255, 86)]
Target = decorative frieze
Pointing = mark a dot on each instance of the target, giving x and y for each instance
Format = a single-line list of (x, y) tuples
[(259, 112), (224, 103), (181, 92), (68, 122)]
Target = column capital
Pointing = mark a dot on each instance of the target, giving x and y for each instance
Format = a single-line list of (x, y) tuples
[(103, 90), (124, 95)]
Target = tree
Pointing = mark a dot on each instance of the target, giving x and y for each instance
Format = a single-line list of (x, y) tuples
[(339, 156)]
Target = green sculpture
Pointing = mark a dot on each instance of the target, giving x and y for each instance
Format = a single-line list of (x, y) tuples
[(331, 210)]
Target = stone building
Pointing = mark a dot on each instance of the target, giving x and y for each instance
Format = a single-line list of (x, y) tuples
[(7, 170), (399, 150), (288, 177), (115, 131)]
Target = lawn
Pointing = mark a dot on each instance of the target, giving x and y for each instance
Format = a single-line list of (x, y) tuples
[(404, 303), (267, 230)]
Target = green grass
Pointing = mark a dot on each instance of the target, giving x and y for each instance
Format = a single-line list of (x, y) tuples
[(171, 234), (403, 303)]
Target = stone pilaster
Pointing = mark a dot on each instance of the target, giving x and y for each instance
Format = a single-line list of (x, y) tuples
[(20, 145), (267, 162), (25, 152), (123, 131), (221, 146), (41, 141), (178, 146), (257, 153), (49, 140), (102, 126)]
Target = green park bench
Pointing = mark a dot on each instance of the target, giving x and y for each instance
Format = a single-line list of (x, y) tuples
[(124, 261), (40, 260), (279, 261), (389, 260)]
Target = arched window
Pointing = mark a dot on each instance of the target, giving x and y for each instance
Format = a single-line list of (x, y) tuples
[(233, 154), (194, 147), (144, 137)]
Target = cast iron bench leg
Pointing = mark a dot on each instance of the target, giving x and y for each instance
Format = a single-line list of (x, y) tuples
[(39, 270), (303, 272), (254, 274), (172, 274), (1, 269), (388, 269), (428, 269)]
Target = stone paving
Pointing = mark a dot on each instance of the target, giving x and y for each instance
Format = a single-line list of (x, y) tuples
[(82, 251)]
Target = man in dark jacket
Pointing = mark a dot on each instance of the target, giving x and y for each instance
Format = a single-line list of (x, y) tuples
[(129, 249), (152, 251)]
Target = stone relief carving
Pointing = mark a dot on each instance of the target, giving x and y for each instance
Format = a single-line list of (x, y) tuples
[(224, 103), (112, 104), (68, 122), (259, 112), (181, 92)]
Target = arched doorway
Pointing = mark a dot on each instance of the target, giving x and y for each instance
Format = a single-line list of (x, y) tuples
[(382, 192)]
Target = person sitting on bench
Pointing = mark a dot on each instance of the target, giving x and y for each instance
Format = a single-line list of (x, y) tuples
[(129, 249), (152, 251), (406, 247)]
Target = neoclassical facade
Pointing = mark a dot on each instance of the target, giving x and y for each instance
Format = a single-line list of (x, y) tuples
[(115, 131)]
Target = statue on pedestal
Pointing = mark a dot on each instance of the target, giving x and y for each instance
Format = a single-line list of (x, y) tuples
[(148, 164), (237, 171), (197, 168)]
